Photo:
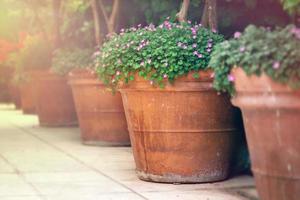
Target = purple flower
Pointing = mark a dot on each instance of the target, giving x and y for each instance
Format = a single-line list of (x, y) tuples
[(237, 35), (242, 49), (230, 78), (296, 32), (194, 45), (195, 53), (209, 45), (276, 65), (200, 55), (189, 21), (208, 50)]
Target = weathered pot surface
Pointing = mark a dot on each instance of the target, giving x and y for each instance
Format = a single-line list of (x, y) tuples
[(271, 113), (55, 101), (184, 133), (101, 115)]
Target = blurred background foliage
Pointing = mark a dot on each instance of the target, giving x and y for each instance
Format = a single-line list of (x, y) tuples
[(34, 16)]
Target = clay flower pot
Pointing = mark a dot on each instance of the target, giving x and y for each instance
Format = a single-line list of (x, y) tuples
[(271, 114), (184, 133), (55, 106), (101, 114), (15, 96)]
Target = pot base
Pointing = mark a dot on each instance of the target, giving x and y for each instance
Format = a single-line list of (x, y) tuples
[(175, 178), (108, 144), (62, 124)]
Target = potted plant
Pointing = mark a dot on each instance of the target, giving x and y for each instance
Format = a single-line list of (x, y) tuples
[(101, 114), (30, 61), (181, 130), (55, 101), (260, 68)]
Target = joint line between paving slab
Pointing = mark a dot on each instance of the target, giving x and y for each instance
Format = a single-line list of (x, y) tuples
[(19, 173), (76, 159)]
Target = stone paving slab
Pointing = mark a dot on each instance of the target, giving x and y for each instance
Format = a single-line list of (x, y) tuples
[(51, 164)]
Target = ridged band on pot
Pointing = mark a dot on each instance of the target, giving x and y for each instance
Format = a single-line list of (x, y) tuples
[(184, 133), (271, 113), (101, 114), (55, 101)]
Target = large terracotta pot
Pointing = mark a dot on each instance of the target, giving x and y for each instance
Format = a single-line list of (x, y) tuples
[(55, 105), (271, 114), (184, 133), (101, 114)]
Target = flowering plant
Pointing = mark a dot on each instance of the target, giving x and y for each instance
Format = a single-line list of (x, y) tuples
[(259, 50), (155, 53), (64, 60)]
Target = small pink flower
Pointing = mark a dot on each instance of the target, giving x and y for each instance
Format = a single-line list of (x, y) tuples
[(200, 56), (209, 45), (165, 76), (230, 78), (276, 65), (151, 82), (212, 75), (142, 63), (208, 50), (195, 53), (242, 49), (189, 21), (237, 35), (194, 45), (118, 73)]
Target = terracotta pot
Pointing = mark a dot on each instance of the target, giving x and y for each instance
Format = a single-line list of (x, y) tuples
[(101, 114), (28, 103), (271, 114), (184, 133), (55, 106), (15, 96), (28, 90), (5, 77)]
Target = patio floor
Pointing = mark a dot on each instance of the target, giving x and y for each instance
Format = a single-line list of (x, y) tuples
[(50, 163)]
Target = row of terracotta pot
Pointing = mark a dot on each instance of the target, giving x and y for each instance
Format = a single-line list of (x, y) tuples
[(171, 142), (188, 133)]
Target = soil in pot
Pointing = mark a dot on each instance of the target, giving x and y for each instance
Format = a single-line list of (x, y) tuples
[(184, 133), (55, 105), (271, 114), (101, 115)]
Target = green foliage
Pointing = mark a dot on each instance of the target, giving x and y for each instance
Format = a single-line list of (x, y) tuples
[(258, 50), (64, 60), (156, 53), (292, 6)]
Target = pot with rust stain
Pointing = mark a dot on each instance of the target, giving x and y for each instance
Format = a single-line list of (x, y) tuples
[(271, 113), (55, 105), (101, 115), (184, 133)]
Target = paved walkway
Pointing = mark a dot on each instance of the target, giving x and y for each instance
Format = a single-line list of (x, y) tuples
[(51, 164)]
